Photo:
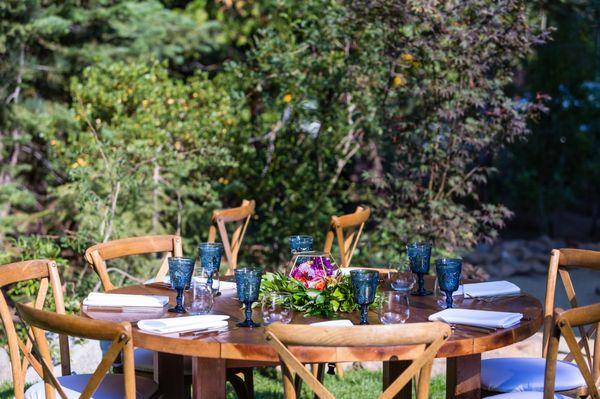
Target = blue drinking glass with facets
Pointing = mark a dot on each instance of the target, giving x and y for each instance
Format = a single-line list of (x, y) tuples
[(247, 280), (448, 273), (210, 254), (419, 255), (364, 286), (180, 272), (301, 243)]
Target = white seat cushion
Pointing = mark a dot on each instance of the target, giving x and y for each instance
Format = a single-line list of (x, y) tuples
[(111, 387), (516, 374), (144, 361), (525, 395)]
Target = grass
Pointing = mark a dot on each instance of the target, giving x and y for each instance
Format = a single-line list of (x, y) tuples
[(267, 385), (356, 383)]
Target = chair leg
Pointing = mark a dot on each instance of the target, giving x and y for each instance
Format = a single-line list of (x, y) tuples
[(339, 370), (244, 387)]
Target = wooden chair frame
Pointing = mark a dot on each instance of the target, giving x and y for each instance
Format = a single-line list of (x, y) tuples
[(429, 337), (564, 322), (47, 273), (118, 333), (98, 254), (560, 262), (344, 228), (240, 216)]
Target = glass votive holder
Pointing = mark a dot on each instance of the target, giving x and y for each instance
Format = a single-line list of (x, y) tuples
[(277, 307), (202, 298)]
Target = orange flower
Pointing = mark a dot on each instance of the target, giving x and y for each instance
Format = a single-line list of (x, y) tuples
[(407, 57), (320, 285), (287, 98), (398, 80)]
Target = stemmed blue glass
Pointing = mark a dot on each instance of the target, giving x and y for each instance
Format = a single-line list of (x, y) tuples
[(301, 243), (247, 280), (448, 273), (210, 254), (419, 254), (364, 285), (180, 271)]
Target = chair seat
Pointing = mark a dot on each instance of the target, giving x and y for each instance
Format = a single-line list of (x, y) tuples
[(525, 395), (526, 374), (144, 361), (112, 386)]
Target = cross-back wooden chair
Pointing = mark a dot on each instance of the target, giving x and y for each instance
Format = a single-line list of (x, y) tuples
[(564, 321), (529, 372), (98, 254), (46, 272), (429, 337), (240, 217), (98, 384), (347, 229)]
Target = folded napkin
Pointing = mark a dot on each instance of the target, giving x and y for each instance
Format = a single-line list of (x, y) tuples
[(100, 299), (179, 324), (477, 318), (489, 288), (333, 323)]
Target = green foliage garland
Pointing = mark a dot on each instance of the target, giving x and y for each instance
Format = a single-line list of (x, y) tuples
[(336, 297)]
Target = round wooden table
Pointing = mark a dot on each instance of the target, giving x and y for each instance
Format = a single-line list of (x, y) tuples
[(246, 346)]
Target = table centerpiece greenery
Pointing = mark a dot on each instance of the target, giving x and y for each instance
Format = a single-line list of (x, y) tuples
[(331, 296)]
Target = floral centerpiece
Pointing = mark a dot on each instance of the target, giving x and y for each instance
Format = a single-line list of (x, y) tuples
[(325, 297), (313, 269)]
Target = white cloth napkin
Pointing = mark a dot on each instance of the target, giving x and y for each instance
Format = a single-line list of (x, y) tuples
[(333, 323), (101, 299), (489, 288), (477, 318), (178, 324)]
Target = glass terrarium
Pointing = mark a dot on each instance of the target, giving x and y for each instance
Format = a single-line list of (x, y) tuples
[(312, 268)]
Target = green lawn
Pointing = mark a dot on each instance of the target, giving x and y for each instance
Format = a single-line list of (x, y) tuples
[(356, 383)]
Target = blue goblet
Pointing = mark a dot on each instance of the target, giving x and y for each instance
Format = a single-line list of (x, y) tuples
[(180, 271), (301, 243), (364, 285), (419, 254), (448, 272), (210, 254), (247, 280)]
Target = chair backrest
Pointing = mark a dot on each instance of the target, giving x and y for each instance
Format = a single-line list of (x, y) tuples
[(118, 333), (561, 261), (46, 272), (564, 322), (348, 229), (427, 338), (240, 217), (98, 254)]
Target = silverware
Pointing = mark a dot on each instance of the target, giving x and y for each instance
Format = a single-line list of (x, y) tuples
[(194, 332), (493, 298), (473, 328)]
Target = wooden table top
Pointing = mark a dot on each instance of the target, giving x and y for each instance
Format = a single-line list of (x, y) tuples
[(249, 343)]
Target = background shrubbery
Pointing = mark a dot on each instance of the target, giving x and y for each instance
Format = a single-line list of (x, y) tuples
[(139, 117)]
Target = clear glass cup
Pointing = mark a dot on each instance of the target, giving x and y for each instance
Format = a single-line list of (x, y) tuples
[(277, 307), (404, 280), (209, 277), (394, 307), (202, 298)]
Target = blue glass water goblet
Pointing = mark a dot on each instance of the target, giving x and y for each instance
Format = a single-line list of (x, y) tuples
[(419, 255), (210, 254), (448, 272), (180, 271), (364, 285), (300, 243), (247, 280)]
